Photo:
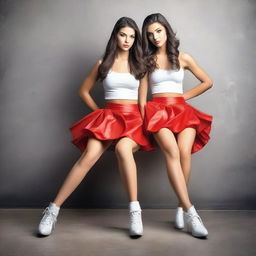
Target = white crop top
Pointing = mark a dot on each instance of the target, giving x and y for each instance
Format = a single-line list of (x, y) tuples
[(163, 80), (120, 86)]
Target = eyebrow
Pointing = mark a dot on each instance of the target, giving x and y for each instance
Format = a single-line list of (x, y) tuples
[(154, 30), (126, 34)]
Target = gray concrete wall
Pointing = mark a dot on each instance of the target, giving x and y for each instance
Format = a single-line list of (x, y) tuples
[(46, 50)]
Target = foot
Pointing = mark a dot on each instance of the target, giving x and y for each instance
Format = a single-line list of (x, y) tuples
[(194, 223), (179, 220), (48, 220), (136, 226)]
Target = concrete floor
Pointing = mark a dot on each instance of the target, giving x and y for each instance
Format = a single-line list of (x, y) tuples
[(105, 232)]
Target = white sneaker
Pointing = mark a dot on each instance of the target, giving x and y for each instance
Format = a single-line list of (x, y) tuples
[(179, 220), (194, 223), (136, 227), (48, 220)]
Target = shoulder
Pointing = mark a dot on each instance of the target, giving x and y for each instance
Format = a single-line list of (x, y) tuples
[(96, 65), (186, 59), (94, 68)]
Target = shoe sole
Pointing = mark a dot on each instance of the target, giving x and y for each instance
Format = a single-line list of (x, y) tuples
[(135, 236), (179, 228), (197, 236), (41, 234)]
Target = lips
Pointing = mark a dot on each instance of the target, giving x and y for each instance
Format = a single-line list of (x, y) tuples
[(126, 46)]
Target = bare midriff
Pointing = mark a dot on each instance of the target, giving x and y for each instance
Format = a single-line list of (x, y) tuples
[(122, 101), (167, 94)]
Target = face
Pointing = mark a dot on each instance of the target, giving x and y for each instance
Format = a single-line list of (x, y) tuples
[(156, 33), (125, 38)]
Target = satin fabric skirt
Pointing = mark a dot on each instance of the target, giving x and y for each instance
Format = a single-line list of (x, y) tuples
[(176, 115), (111, 123)]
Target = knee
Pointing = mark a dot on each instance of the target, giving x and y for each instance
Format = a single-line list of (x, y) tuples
[(185, 153), (172, 152), (122, 149)]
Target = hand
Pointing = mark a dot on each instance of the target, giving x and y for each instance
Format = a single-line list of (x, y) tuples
[(184, 96), (142, 110)]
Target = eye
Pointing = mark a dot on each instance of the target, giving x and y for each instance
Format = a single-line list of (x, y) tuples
[(121, 34), (159, 30), (133, 36)]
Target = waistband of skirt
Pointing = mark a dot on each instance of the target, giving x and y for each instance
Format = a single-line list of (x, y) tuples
[(128, 107), (168, 100)]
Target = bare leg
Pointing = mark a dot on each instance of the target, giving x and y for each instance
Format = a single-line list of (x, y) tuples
[(167, 142), (125, 148), (92, 153), (185, 140)]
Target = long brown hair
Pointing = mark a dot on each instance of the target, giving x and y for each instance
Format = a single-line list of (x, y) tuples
[(136, 63), (149, 49)]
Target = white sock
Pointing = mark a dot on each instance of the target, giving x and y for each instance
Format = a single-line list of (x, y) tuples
[(134, 206), (192, 210), (54, 208)]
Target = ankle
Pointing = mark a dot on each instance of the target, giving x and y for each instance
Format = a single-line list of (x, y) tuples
[(56, 203), (134, 206), (54, 208), (187, 207)]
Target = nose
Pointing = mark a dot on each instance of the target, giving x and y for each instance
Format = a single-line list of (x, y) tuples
[(155, 36), (126, 40)]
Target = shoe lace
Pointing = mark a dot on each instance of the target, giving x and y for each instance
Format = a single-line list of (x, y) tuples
[(195, 219), (49, 217), (135, 217)]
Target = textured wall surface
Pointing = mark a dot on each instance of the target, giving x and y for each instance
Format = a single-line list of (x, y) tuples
[(46, 50)]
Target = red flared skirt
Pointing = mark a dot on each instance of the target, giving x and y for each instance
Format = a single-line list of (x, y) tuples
[(175, 114), (111, 123)]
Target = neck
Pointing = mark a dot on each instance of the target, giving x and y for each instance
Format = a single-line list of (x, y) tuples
[(162, 50), (122, 55)]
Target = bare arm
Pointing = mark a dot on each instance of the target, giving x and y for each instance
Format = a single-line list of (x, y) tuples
[(143, 90), (199, 73), (88, 83)]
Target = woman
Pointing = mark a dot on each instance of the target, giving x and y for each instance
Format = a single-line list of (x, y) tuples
[(177, 127), (119, 123)]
